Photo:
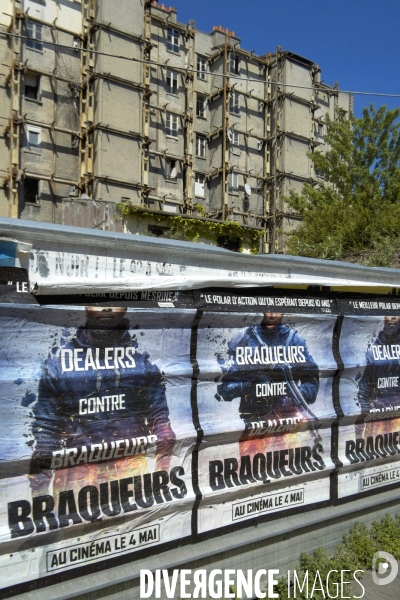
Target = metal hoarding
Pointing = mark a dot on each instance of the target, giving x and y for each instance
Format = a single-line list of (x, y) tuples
[(137, 420)]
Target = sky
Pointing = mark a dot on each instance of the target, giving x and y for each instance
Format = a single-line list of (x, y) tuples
[(355, 42)]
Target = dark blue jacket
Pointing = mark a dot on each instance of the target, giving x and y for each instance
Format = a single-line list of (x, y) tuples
[(57, 422), (241, 379), (370, 394)]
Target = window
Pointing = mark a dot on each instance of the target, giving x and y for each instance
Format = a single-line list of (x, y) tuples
[(74, 144), (319, 130), (234, 106), (34, 33), (200, 146), (201, 106), (172, 82), (157, 230), (33, 136), (172, 39), (32, 85), (234, 64), (31, 190), (233, 181), (199, 183), (228, 243), (236, 138), (201, 67), (171, 125), (171, 166)]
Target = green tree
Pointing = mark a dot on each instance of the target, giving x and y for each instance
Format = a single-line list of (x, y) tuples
[(356, 206)]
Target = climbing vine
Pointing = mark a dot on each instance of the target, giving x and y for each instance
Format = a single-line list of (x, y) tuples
[(191, 229), (200, 209)]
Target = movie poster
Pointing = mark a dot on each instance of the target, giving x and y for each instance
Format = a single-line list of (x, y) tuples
[(96, 435), (132, 421), (370, 351), (370, 400), (265, 408), (370, 454)]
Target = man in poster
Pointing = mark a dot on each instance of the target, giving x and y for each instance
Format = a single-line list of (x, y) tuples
[(379, 386), (272, 373), (98, 399)]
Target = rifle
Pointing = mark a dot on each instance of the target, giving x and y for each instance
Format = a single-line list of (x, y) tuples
[(294, 388)]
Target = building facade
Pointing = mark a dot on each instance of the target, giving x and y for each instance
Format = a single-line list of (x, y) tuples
[(102, 105)]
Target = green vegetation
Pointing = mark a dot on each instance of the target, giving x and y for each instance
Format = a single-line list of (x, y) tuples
[(354, 212), (200, 209), (191, 229)]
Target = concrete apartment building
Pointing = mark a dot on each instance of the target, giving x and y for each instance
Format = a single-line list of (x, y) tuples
[(103, 102)]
